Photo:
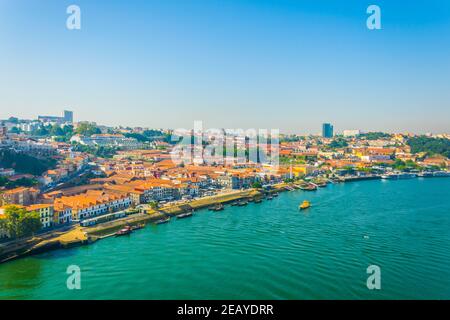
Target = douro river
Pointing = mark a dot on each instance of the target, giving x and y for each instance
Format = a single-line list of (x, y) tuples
[(269, 250)]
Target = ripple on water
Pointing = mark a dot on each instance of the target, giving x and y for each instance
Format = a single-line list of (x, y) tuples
[(267, 250)]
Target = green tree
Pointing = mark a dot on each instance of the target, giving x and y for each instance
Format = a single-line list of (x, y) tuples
[(25, 163), (2, 224), (139, 137), (98, 151), (87, 129), (15, 130), (338, 143), (18, 222), (399, 165), (375, 135), (429, 145), (3, 181), (22, 182), (11, 222), (56, 130), (153, 204), (257, 185), (29, 223), (41, 131)]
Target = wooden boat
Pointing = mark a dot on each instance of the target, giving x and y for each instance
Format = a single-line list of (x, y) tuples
[(218, 207), (305, 205), (163, 220), (138, 226), (321, 184), (425, 174), (124, 231), (308, 187), (184, 215)]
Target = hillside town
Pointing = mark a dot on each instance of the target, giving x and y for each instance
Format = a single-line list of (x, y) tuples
[(67, 173)]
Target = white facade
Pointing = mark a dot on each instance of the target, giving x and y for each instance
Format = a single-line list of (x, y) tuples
[(376, 157), (351, 133), (64, 216), (103, 208), (106, 140)]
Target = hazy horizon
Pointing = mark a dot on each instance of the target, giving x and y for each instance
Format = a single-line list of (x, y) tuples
[(288, 65)]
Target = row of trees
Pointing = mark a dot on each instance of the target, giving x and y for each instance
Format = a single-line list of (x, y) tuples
[(62, 133), (19, 223), (86, 129)]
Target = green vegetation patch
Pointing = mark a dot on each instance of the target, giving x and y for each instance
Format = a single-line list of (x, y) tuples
[(431, 146), (24, 163)]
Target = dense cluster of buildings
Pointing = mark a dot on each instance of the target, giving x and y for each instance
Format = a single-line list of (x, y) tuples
[(66, 118), (136, 176), (28, 126)]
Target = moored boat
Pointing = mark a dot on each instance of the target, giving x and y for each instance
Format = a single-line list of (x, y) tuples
[(397, 176), (138, 226), (406, 175), (218, 207), (184, 215), (163, 220), (441, 174), (390, 176), (321, 184), (124, 231), (258, 200), (425, 174), (308, 187)]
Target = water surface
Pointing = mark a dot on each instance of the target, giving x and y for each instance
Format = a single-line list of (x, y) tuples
[(267, 251)]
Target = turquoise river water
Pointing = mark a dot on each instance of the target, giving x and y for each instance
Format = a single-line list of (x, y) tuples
[(269, 250)]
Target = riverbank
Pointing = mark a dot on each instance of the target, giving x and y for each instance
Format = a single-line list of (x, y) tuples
[(78, 235), (42, 243)]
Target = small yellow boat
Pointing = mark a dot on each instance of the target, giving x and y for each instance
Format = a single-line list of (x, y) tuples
[(304, 205)]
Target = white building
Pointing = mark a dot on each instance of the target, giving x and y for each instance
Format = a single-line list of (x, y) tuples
[(7, 172), (375, 157), (351, 133), (107, 140), (94, 203)]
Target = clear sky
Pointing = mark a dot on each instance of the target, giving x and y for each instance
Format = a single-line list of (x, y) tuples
[(230, 63)]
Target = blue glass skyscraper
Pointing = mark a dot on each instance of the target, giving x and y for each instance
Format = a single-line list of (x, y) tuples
[(327, 130)]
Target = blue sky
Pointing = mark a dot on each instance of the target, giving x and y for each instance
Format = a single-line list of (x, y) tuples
[(235, 64)]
